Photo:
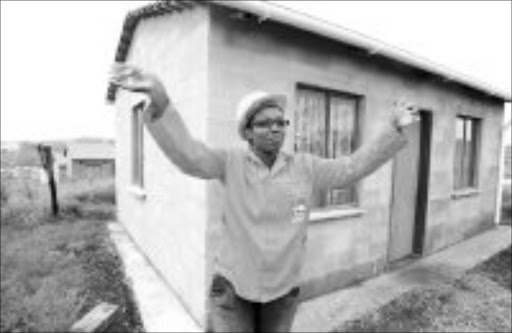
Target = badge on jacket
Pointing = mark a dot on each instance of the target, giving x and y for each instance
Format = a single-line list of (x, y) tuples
[(299, 212)]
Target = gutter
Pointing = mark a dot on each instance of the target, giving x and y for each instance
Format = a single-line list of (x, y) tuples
[(275, 12)]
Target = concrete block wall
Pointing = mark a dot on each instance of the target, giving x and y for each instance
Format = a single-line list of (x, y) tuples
[(453, 218), (169, 223), (246, 55)]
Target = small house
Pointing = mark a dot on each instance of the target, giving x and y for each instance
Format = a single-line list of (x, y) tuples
[(440, 190), (85, 159)]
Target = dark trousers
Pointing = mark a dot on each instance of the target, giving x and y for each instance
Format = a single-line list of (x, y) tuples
[(229, 312)]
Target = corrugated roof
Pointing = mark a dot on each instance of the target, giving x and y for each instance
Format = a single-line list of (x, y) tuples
[(267, 11)]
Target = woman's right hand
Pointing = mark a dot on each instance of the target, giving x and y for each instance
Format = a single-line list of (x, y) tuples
[(134, 79)]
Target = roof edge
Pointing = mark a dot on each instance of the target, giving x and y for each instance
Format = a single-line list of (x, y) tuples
[(131, 21), (270, 11), (273, 11)]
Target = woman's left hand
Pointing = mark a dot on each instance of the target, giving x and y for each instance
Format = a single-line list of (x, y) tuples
[(405, 114)]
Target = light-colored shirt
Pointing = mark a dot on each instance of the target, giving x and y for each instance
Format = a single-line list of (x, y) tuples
[(266, 210)]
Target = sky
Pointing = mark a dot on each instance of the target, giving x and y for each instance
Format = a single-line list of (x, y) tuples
[(55, 55)]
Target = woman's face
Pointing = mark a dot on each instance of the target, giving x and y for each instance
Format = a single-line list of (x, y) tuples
[(266, 131)]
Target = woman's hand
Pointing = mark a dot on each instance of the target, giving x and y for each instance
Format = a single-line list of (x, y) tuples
[(405, 114), (135, 79)]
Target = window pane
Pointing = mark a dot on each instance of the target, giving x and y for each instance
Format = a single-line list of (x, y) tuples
[(342, 125), (472, 152), (469, 130), (467, 158), (465, 165), (459, 149), (342, 136), (137, 135), (140, 135), (459, 129), (310, 133), (310, 122), (134, 146)]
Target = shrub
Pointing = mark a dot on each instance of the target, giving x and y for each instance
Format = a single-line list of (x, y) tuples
[(22, 203), (89, 200), (27, 203), (100, 191)]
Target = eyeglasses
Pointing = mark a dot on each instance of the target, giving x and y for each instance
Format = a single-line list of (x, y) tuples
[(267, 123)]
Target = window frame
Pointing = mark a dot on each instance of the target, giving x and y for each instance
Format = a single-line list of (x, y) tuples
[(328, 93), (459, 181)]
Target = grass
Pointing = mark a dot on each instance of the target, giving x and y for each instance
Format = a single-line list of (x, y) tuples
[(498, 269), (479, 301), (56, 269)]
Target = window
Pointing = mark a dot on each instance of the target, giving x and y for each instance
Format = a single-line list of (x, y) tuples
[(326, 125), (137, 145), (466, 142)]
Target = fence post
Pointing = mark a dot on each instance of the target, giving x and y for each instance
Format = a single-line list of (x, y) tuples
[(45, 154)]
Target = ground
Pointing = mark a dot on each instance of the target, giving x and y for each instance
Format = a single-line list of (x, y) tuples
[(54, 270), (479, 301)]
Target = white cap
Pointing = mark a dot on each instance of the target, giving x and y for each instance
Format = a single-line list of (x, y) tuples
[(252, 102)]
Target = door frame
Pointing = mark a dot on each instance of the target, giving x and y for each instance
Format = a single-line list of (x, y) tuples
[(422, 198)]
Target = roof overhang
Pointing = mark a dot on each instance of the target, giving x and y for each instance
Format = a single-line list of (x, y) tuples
[(270, 11)]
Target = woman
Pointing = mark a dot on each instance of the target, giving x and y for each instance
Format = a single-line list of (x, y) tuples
[(268, 194)]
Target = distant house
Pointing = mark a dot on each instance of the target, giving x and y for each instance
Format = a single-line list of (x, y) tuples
[(78, 159), (85, 159), (440, 190)]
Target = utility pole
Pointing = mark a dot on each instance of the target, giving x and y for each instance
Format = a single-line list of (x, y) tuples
[(46, 156)]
